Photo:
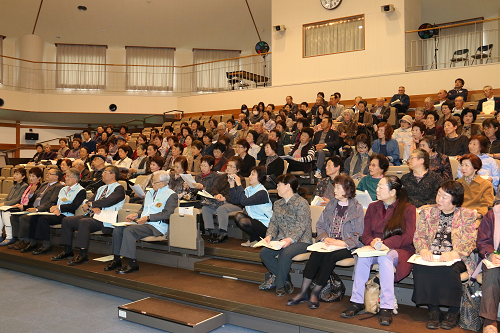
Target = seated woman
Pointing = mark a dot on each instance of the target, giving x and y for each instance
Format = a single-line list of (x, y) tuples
[(385, 144), (207, 179), (390, 221), (417, 133), (251, 138), (340, 224), (302, 153), (468, 129), (257, 207), (273, 164), (446, 230), (176, 149), (124, 162), (61, 153), (430, 121), (491, 129), (85, 155), (185, 131), (479, 194), (404, 133), (140, 140), (75, 152), (291, 225), (229, 152), (300, 124), (438, 162), (208, 147), (48, 154), (194, 162), (267, 122), (38, 155), (446, 108), (324, 188), (357, 165), (364, 119), (453, 144), (13, 198), (220, 160), (221, 204), (176, 182), (378, 167), (488, 242), (478, 145), (348, 128), (155, 164), (188, 146), (242, 147), (139, 165)]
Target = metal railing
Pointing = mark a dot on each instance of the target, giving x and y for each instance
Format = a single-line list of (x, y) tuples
[(45, 77)]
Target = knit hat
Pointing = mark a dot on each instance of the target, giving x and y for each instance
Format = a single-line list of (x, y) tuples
[(408, 119)]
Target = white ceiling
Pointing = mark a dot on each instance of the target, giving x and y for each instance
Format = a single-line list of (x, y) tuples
[(184, 24)]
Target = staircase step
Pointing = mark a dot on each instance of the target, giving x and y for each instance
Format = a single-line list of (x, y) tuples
[(232, 249), (232, 269), (171, 316)]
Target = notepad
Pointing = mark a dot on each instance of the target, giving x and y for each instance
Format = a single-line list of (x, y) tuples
[(418, 260), (489, 107), (489, 264), (122, 224), (322, 247), (368, 251), (107, 216), (317, 201), (273, 245)]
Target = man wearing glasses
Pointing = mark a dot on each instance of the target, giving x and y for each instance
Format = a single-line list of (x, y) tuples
[(110, 196), (159, 204), (95, 180), (41, 201)]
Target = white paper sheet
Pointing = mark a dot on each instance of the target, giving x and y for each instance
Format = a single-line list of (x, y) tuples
[(105, 259), (122, 224), (417, 259), (188, 179), (132, 180), (363, 198), (186, 211), (205, 194), (317, 201), (273, 245), (41, 213), (322, 247), (4, 208), (489, 264), (19, 213), (368, 251), (107, 216), (138, 190), (489, 107)]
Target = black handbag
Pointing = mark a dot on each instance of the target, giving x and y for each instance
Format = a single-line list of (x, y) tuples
[(334, 289), (469, 310)]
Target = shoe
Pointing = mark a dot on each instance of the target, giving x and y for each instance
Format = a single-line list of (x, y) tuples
[(127, 269), (7, 242), (269, 283), (42, 250), (490, 329), (385, 318), (212, 237), (63, 255), (450, 321), (280, 292), (246, 244), (317, 174), (434, 318), (292, 302), (20, 245), (220, 239), (28, 248), (11, 246), (288, 285), (313, 305), (113, 266), (352, 310), (78, 260)]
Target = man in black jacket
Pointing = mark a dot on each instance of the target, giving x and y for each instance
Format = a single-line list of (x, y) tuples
[(326, 139), (488, 94)]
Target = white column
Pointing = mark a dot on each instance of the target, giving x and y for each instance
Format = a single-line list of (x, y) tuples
[(30, 49)]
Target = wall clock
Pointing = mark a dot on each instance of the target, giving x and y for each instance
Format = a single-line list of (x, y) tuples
[(330, 4)]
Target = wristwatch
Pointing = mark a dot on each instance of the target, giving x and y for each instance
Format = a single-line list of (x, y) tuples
[(148, 219)]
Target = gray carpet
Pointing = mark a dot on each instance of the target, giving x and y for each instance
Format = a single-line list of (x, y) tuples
[(30, 304)]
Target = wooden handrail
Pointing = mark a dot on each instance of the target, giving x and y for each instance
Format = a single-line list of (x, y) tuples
[(455, 25), (124, 65)]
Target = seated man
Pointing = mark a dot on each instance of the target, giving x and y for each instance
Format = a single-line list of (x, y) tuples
[(84, 172), (70, 198), (95, 178), (110, 196), (261, 132), (327, 138), (489, 97), (380, 112), (159, 204), (458, 90), (400, 101), (41, 201)]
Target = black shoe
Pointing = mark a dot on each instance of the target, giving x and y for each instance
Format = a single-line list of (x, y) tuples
[(352, 310), (450, 321), (113, 266), (63, 255), (280, 292), (385, 318), (28, 248), (289, 286), (212, 237), (127, 269), (313, 305), (220, 239), (42, 250), (434, 318), (79, 260), (292, 302)]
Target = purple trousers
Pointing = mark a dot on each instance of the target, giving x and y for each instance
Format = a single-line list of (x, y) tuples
[(386, 266)]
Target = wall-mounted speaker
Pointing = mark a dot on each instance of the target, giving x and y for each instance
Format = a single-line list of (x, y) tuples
[(112, 107), (31, 136)]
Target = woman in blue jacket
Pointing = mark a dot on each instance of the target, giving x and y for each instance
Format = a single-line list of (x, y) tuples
[(258, 208), (385, 144)]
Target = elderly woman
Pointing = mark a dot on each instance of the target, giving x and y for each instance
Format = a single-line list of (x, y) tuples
[(491, 129), (124, 161), (324, 188), (446, 108), (417, 133), (301, 124), (257, 207), (291, 225), (176, 183), (377, 168), (61, 153), (155, 164), (340, 224), (431, 119), (445, 232), (75, 152), (478, 145), (453, 144), (302, 154), (357, 165), (385, 144), (38, 155), (207, 179), (479, 194), (220, 160), (13, 198), (390, 221), (404, 133), (468, 117), (221, 204), (348, 127), (267, 122), (48, 154), (273, 164), (439, 163)]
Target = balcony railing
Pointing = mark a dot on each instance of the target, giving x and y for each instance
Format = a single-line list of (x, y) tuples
[(456, 45), (245, 72)]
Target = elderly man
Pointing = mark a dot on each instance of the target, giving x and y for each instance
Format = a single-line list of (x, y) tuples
[(357, 99), (314, 109), (489, 98), (221, 130), (243, 132), (262, 134), (293, 107), (84, 172), (458, 90), (335, 107), (401, 102), (459, 106), (325, 139), (159, 204), (109, 197), (41, 201), (429, 105), (95, 178), (69, 199), (380, 112), (442, 97)]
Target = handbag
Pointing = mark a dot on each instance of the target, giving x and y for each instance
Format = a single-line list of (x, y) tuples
[(334, 289), (213, 203), (469, 310), (372, 295)]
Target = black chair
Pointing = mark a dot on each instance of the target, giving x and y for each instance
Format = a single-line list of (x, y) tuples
[(459, 56), (482, 52)]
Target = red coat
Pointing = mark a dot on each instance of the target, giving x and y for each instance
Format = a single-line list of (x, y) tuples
[(403, 244)]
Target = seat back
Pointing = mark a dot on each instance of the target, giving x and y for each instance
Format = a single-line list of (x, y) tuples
[(7, 185), (123, 213), (398, 171), (140, 179), (79, 211), (132, 206), (183, 230), (287, 149), (454, 166), (6, 172), (401, 150), (316, 212), (123, 183)]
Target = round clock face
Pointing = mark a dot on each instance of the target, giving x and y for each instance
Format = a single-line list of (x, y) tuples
[(330, 4)]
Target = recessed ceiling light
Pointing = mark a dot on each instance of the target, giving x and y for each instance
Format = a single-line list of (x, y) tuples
[(82, 8), (103, 30), (58, 36)]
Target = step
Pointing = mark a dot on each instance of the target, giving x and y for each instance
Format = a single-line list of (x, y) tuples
[(232, 269), (232, 249), (171, 316)]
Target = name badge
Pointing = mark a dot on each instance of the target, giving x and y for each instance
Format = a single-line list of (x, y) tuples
[(158, 204), (64, 199)]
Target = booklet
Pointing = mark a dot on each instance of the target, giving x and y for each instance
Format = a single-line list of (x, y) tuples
[(138, 190), (368, 251), (417, 259), (273, 245), (489, 264), (317, 201), (122, 224), (363, 198), (20, 213), (205, 194), (6, 208), (188, 179), (41, 213), (322, 247), (107, 216)]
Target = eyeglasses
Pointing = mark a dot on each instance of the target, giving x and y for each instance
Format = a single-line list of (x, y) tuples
[(157, 182), (52, 174), (106, 172)]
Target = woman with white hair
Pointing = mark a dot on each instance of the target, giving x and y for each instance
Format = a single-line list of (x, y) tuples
[(348, 128)]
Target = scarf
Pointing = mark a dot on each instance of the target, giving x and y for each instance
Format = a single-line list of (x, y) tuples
[(25, 198), (364, 161)]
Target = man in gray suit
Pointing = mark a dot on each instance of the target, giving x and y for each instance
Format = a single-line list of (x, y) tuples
[(41, 201), (380, 112)]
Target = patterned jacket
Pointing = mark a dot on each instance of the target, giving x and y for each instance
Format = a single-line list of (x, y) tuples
[(463, 233)]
